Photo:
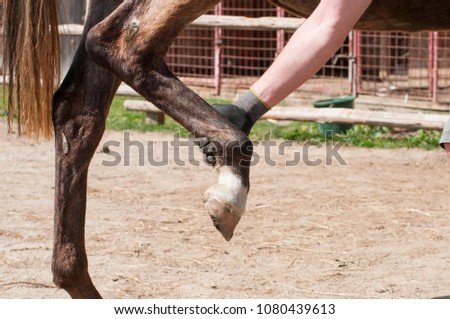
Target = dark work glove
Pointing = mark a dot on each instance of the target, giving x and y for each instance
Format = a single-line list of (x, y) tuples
[(235, 115)]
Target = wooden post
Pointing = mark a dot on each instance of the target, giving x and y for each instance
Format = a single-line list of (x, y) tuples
[(353, 72), (280, 33), (218, 32), (357, 37), (433, 56)]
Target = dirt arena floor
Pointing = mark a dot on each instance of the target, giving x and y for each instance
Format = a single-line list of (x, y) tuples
[(378, 227)]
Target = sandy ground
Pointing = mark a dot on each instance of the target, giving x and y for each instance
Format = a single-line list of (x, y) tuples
[(378, 227)]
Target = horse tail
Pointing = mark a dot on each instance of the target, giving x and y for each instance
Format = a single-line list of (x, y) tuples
[(31, 63)]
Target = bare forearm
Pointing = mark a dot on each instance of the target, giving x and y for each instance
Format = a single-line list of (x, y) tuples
[(309, 48)]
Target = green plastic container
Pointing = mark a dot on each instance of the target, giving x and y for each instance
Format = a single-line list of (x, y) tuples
[(328, 129)]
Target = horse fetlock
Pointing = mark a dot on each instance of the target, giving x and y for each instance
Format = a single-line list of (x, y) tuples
[(67, 265), (81, 288), (226, 201), (70, 272)]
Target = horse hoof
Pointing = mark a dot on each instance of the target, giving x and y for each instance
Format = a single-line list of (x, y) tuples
[(223, 217), (226, 202)]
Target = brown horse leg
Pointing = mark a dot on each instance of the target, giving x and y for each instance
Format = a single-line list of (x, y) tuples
[(132, 43), (80, 107)]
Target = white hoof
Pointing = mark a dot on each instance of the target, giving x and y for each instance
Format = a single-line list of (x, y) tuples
[(226, 201)]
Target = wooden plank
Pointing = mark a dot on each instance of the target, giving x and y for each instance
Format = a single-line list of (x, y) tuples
[(263, 23), (411, 104), (334, 115), (70, 29), (352, 116), (226, 22)]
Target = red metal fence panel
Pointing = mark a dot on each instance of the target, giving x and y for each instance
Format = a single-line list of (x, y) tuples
[(408, 65), (236, 58), (405, 66)]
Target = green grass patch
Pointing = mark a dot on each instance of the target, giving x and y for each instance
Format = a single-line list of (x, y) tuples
[(120, 119), (359, 136), (383, 137)]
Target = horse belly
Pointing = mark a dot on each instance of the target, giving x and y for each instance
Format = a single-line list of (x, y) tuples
[(399, 15)]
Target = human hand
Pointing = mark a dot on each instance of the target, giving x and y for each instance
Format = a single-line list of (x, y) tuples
[(235, 115)]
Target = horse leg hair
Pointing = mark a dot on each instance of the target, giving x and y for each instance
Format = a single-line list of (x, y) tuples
[(80, 108)]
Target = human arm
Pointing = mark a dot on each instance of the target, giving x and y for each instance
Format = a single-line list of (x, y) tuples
[(314, 42)]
